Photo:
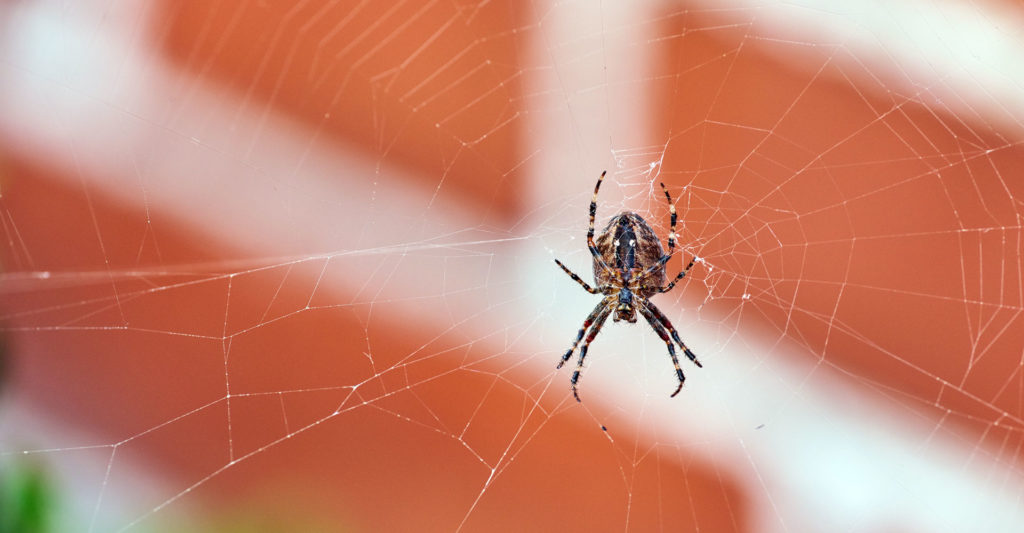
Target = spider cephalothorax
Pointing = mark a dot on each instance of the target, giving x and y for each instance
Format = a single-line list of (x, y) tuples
[(629, 268)]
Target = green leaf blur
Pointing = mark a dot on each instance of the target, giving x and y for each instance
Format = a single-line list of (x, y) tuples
[(26, 500)]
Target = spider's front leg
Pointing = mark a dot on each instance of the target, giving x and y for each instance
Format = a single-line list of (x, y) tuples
[(597, 318), (663, 260), (660, 330), (672, 331), (603, 306)]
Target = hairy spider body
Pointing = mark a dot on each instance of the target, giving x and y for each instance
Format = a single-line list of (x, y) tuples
[(629, 268), (629, 244)]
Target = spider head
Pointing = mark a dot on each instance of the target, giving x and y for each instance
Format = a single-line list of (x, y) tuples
[(624, 310)]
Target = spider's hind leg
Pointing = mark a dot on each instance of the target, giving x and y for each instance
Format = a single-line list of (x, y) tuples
[(682, 273), (672, 220), (672, 236), (577, 279), (590, 227)]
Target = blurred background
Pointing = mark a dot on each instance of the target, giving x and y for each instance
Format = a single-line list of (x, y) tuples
[(279, 266)]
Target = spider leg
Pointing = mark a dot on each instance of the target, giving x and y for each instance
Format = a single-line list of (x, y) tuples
[(660, 263), (657, 264), (577, 279), (598, 322), (590, 230), (671, 247), (602, 306), (660, 330), (675, 334), (679, 277), (672, 225)]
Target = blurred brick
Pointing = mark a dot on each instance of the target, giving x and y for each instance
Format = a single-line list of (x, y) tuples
[(430, 87), (878, 232)]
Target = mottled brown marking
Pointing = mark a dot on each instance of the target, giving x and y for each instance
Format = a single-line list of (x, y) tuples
[(647, 251)]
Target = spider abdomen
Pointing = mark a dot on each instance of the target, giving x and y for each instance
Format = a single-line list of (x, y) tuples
[(628, 243)]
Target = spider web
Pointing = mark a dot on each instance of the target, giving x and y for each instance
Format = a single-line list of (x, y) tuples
[(290, 266)]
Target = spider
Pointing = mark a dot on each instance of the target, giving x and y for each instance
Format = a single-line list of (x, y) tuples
[(629, 268)]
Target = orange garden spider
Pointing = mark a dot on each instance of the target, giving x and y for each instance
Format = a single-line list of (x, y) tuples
[(629, 268)]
